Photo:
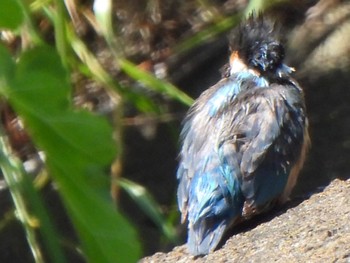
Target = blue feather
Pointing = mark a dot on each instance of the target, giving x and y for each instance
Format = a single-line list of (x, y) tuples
[(229, 90), (214, 202)]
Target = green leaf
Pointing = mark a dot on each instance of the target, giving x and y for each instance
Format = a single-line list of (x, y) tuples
[(152, 82), (223, 25), (7, 67), (42, 59), (21, 187), (79, 148), (150, 207), (11, 15), (41, 80), (106, 236)]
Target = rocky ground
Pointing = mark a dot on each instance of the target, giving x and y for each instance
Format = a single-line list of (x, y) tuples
[(315, 229)]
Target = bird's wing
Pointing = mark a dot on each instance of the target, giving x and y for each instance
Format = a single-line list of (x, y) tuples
[(266, 136), (209, 196), (198, 138), (208, 192)]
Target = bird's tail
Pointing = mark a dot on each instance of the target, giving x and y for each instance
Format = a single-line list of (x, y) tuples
[(205, 235), (214, 203)]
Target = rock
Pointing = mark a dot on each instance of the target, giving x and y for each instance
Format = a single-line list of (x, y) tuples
[(314, 230)]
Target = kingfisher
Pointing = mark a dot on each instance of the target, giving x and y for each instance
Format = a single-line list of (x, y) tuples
[(244, 140)]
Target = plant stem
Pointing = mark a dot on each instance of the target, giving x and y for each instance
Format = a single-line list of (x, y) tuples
[(13, 174), (30, 28), (60, 32)]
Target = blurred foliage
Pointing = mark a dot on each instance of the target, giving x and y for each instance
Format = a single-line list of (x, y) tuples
[(47, 48), (10, 14), (39, 92)]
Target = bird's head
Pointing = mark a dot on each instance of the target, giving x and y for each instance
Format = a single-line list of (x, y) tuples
[(256, 44)]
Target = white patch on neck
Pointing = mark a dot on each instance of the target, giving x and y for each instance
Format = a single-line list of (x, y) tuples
[(236, 64)]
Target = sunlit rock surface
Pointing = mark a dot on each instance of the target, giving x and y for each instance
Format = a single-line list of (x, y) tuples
[(313, 230)]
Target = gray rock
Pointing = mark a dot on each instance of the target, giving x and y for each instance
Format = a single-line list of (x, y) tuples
[(316, 230)]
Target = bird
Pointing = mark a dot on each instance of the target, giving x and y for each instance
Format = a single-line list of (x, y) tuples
[(244, 140)]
